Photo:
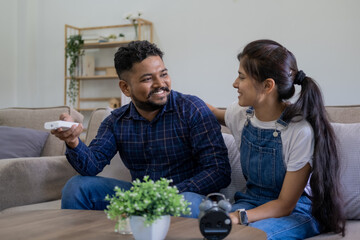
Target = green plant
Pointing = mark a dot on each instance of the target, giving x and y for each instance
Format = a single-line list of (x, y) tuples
[(111, 36), (133, 18), (148, 199), (73, 50), (121, 35)]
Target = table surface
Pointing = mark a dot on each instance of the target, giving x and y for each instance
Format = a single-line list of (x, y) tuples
[(86, 224)]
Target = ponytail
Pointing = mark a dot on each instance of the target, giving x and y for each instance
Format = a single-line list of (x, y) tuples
[(326, 197)]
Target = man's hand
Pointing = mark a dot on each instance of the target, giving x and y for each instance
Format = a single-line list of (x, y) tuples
[(70, 136)]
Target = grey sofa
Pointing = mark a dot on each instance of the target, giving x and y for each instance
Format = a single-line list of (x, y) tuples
[(31, 180), (346, 125)]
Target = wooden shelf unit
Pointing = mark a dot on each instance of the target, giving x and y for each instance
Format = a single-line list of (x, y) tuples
[(144, 32), (96, 77)]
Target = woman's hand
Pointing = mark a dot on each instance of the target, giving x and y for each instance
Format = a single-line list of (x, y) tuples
[(219, 113), (234, 216)]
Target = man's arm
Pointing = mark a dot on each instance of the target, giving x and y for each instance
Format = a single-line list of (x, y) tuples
[(88, 161), (210, 151)]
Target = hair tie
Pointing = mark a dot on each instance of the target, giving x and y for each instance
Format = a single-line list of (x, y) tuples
[(299, 78)]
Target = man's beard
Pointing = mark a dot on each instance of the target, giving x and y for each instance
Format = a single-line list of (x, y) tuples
[(149, 105)]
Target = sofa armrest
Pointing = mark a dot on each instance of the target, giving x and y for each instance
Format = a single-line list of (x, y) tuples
[(32, 180)]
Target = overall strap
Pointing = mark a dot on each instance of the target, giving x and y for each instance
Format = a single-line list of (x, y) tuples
[(249, 114), (280, 121)]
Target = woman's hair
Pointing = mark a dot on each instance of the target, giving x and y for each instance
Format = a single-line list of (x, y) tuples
[(264, 59)]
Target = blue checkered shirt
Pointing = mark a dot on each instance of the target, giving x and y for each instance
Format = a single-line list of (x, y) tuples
[(183, 143)]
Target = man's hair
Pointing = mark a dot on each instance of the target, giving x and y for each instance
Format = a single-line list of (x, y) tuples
[(134, 52)]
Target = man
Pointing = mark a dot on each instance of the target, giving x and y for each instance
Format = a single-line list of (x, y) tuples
[(161, 133)]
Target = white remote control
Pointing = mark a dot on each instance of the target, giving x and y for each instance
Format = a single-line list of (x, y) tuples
[(59, 124)]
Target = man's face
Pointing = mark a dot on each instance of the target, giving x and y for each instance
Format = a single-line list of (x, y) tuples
[(148, 84)]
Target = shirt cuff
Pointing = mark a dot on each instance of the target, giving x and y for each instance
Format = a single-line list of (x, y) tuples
[(74, 151)]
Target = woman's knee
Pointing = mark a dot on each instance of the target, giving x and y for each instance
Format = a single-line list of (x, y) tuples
[(294, 226)]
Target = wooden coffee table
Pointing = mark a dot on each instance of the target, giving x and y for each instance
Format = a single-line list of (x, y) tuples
[(86, 224)]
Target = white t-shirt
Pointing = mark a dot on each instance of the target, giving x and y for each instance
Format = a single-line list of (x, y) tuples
[(297, 138)]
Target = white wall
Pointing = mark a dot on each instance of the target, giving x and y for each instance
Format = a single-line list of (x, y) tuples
[(200, 38), (8, 51)]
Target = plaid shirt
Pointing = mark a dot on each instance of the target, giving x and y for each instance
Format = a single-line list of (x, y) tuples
[(183, 142)]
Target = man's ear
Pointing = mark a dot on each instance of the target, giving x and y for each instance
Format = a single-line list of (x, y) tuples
[(125, 88), (269, 85)]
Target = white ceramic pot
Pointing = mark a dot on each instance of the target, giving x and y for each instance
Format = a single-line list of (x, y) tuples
[(120, 39), (156, 231)]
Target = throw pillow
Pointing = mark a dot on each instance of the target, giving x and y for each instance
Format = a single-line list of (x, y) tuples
[(238, 182), (21, 142), (349, 155)]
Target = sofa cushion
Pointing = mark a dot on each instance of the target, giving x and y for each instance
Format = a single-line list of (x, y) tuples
[(32, 180), (35, 118), (96, 118), (344, 114), (116, 169), (349, 155), (238, 182), (21, 142)]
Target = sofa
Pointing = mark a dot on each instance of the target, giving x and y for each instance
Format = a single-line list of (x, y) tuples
[(346, 123), (34, 173)]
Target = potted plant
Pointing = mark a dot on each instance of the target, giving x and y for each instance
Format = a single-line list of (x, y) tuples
[(121, 37), (149, 205), (111, 37), (134, 19), (74, 50)]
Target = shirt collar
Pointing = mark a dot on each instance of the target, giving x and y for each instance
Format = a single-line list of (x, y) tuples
[(131, 111)]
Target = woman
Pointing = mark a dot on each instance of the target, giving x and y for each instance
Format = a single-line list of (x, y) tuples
[(281, 145)]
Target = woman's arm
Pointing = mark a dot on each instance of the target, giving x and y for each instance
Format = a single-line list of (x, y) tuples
[(293, 186), (219, 113)]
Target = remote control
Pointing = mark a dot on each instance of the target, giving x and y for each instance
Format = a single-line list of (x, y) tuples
[(59, 124)]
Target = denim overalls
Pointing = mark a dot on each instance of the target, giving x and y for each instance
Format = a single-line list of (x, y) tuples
[(263, 167)]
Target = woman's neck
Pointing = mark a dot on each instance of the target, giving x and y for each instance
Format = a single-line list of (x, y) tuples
[(269, 112)]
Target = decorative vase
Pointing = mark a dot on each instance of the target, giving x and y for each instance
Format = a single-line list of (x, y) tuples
[(123, 226), (156, 231), (136, 29), (120, 39)]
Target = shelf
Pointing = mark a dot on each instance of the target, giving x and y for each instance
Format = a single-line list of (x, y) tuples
[(103, 99), (96, 77), (102, 58), (85, 109), (105, 44)]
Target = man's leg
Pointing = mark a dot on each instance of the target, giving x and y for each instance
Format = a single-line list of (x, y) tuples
[(195, 199), (86, 192)]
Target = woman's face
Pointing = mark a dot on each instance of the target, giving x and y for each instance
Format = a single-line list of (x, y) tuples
[(247, 88)]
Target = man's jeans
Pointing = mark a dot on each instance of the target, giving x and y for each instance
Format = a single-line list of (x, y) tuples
[(86, 192)]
